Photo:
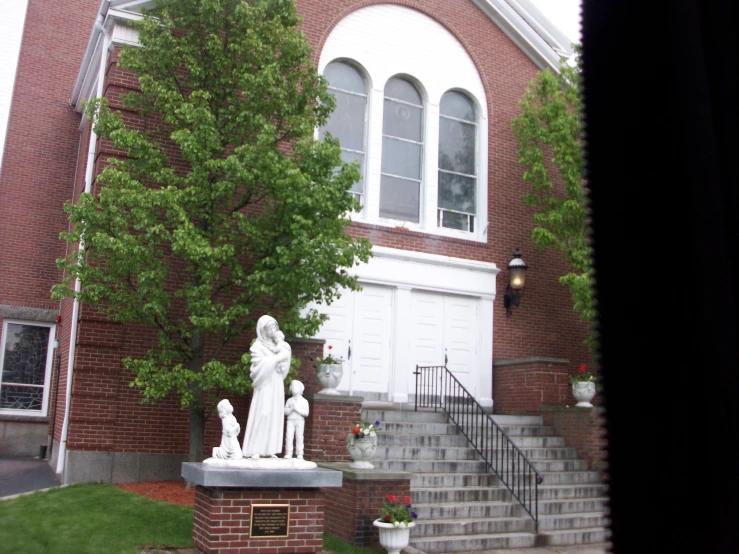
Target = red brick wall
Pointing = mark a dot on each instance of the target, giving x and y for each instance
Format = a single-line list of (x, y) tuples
[(327, 427), (583, 429), (351, 509), (41, 168), (222, 517), (520, 388)]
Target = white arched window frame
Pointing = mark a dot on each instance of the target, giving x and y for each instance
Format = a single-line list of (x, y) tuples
[(402, 158), (348, 122), (415, 47), (458, 162)]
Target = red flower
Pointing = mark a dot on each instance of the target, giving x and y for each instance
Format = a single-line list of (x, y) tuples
[(583, 368), (330, 347), (356, 429), (387, 517), (407, 500), (392, 498)]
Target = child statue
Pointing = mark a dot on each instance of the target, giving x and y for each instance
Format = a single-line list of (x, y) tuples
[(230, 448), (296, 410)]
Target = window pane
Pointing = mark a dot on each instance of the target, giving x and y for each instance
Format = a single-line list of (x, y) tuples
[(457, 105), (21, 398), (399, 198), (457, 193), (344, 76), (349, 157), (401, 158), (400, 89), (402, 120), (26, 349), (453, 220), (457, 146), (347, 120)]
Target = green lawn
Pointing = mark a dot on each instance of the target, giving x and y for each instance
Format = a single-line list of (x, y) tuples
[(91, 518), (98, 518)]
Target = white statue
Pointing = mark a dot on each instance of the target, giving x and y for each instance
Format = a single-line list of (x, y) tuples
[(230, 448), (296, 410), (270, 363)]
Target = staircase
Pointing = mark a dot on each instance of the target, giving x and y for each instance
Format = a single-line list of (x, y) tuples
[(463, 509)]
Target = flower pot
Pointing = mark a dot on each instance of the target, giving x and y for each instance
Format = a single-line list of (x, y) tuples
[(394, 537), (361, 450), (329, 377), (584, 391)]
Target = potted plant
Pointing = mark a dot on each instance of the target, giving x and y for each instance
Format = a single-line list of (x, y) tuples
[(395, 523), (362, 444), (329, 371), (583, 387)]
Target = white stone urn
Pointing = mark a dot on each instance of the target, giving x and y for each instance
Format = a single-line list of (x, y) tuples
[(394, 537), (584, 391), (329, 377), (361, 450)]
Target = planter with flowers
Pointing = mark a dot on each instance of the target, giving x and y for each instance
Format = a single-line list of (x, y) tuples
[(329, 371), (583, 387), (362, 444), (395, 523)]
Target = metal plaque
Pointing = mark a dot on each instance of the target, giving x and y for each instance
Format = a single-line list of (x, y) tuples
[(269, 521)]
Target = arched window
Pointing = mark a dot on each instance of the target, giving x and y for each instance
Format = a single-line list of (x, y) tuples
[(402, 151), (347, 122), (457, 203)]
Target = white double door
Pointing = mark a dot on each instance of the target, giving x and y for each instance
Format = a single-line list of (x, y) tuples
[(360, 331), (445, 331), (382, 335)]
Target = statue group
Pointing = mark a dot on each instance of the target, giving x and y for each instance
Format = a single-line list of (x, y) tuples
[(265, 425)]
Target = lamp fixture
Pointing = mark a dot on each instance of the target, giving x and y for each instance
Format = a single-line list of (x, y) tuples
[(516, 280)]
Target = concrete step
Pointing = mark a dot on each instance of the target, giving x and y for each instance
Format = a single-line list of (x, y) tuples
[(454, 480), (570, 478), (571, 492), (431, 466), (593, 535), (552, 507), (560, 465), (394, 427), (528, 430), (517, 420), (387, 416), (562, 522), (467, 510), (539, 442), (551, 453), (472, 526), (471, 543), (396, 439), (453, 453), (459, 494)]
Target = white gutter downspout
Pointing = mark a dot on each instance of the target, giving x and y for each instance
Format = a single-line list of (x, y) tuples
[(61, 459)]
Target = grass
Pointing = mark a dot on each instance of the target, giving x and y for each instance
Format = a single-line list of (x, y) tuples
[(96, 518), (332, 544), (91, 518)]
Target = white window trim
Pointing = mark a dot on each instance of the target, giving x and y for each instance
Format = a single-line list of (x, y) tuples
[(355, 40), (49, 362)]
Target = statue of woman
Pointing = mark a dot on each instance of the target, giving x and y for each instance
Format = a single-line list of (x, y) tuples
[(270, 363)]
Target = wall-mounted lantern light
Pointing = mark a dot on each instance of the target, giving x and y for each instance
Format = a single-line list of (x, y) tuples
[(517, 278)]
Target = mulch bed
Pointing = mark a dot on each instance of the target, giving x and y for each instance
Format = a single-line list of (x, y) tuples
[(173, 492)]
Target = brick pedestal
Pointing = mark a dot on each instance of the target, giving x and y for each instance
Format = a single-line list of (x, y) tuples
[(328, 424), (520, 386), (351, 509), (582, 428), (223, 508)]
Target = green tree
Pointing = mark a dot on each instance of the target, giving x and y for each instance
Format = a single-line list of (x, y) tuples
[(549, 134), (224, 207)]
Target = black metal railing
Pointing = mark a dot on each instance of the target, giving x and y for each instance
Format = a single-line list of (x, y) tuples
[(438, 388)]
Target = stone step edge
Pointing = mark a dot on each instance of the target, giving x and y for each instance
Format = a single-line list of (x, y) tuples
[(561, 500), (463, 503), (467, 520), (482, 536), (555, 532), (571, 515)]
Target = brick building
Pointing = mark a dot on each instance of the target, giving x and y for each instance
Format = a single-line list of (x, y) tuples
[(429, 89)]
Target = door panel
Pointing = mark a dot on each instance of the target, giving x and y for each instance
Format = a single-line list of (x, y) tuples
[(460, 339), (371, 346)]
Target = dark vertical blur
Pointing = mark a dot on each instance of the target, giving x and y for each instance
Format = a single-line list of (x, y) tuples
[(662, 111)]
